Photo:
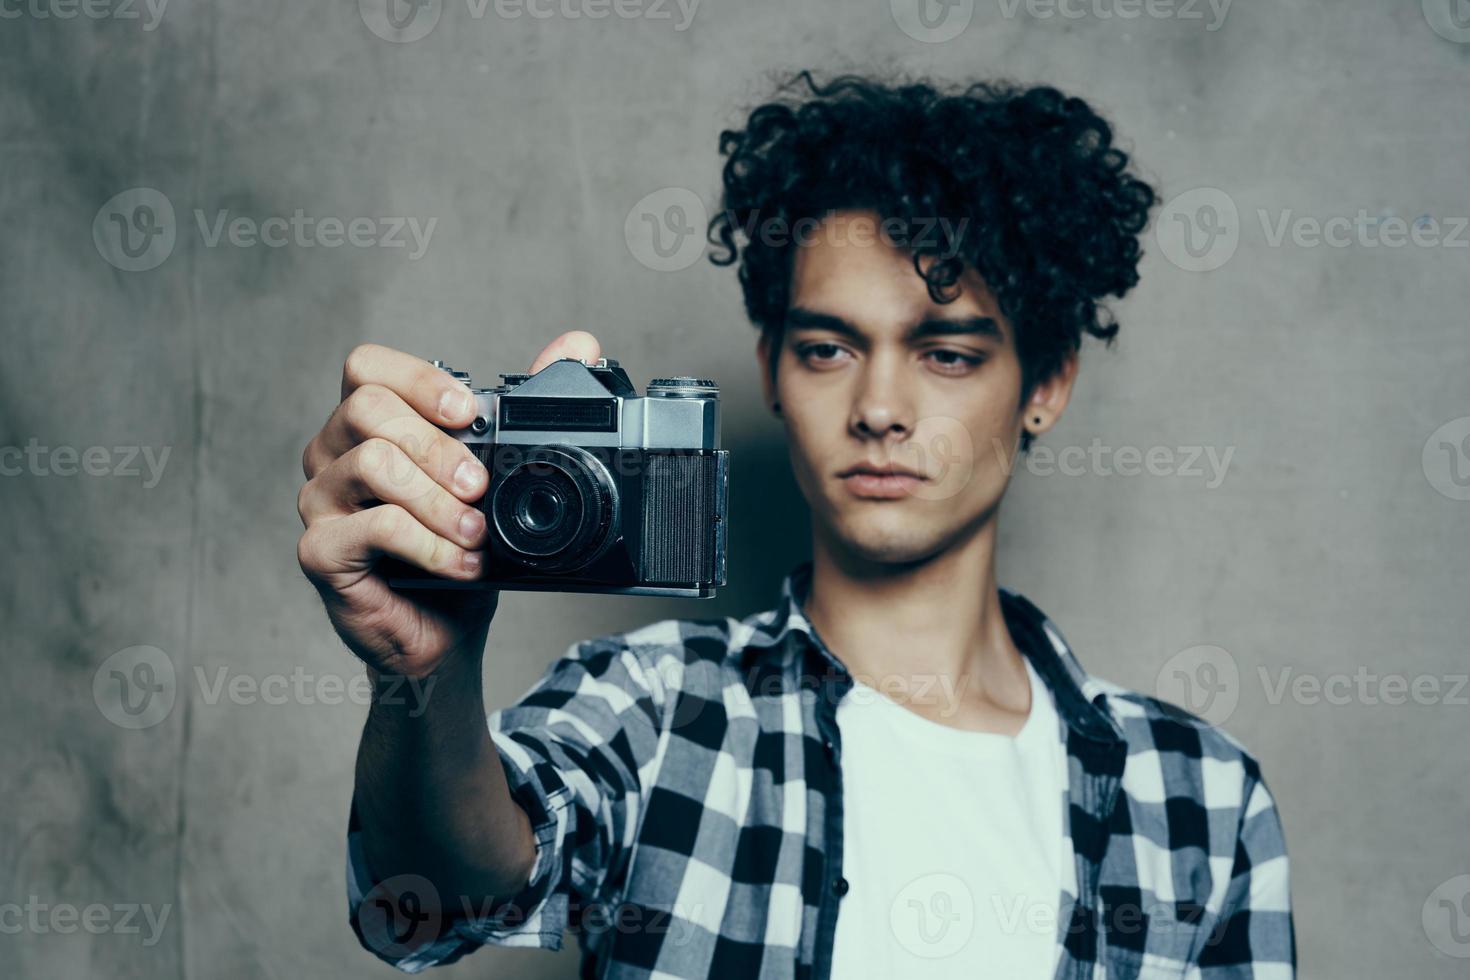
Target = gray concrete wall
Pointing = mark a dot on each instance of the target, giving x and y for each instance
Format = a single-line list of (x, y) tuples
[(1334, 545)]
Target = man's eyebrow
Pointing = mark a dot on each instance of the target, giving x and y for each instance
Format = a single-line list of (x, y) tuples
[(982, 325), (799, 318)]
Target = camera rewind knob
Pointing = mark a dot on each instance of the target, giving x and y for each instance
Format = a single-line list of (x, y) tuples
[(683, 386), (463, 376)]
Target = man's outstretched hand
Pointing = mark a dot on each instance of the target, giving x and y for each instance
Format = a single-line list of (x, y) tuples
[(383, 478)]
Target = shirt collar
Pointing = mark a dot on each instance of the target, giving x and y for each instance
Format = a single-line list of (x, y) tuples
[(1080, 699)]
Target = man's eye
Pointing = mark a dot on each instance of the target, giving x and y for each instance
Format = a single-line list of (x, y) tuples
[(819, 352), (954, 358)]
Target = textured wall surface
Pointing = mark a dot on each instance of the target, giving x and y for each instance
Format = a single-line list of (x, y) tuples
[(1326, 547)]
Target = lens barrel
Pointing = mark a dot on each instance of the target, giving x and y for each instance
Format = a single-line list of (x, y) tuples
[(556, 509)]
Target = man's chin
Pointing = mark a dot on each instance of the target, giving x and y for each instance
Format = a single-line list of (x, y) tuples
[(884, 543)]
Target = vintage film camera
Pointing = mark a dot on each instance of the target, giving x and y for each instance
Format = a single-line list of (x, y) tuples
[(594, 488)]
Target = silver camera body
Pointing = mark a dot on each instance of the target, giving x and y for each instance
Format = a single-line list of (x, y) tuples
[(595, 488)]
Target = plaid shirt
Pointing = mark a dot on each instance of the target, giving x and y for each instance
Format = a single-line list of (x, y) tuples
[(683, 781)]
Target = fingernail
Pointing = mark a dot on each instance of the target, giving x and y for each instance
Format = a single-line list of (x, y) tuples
[(471, 561), (454, 404), (469, 476), (470, 524)]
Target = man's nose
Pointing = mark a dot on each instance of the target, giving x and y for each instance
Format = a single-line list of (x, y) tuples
[(881, 406)]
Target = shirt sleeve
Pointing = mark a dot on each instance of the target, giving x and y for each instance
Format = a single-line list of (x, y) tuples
[(578, 751), (1254, 937)]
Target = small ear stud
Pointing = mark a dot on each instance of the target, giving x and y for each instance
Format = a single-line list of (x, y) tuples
[(1036, 419)]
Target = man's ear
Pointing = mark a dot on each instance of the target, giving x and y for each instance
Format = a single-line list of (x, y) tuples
[(1049, 398)]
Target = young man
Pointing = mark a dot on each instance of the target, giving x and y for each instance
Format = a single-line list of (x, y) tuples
[(900, 770)]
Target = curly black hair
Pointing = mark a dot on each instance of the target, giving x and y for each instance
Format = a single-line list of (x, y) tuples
[(1023, 184)]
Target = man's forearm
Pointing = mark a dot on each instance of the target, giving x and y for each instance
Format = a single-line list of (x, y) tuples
[(431, 795)]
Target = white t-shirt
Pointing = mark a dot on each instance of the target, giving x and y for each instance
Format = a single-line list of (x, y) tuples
[(952, 844)]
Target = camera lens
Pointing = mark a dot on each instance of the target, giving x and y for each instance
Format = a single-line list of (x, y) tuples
[(539, 510), (554, 510)]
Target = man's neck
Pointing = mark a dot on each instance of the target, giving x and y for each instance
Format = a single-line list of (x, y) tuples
[(930, 635)]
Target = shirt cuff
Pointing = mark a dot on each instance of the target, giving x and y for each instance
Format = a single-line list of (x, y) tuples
[(405, 922)]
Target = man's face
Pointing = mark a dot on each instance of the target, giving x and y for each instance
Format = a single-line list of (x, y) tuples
[(874, 373)]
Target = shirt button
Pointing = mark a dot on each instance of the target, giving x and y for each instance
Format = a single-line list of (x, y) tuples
[(839, 887)]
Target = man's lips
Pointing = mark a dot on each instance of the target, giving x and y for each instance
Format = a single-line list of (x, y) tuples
[(879, 482), (890, 469)]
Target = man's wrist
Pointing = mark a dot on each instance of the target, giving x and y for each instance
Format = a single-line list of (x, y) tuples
[(457, 678)]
